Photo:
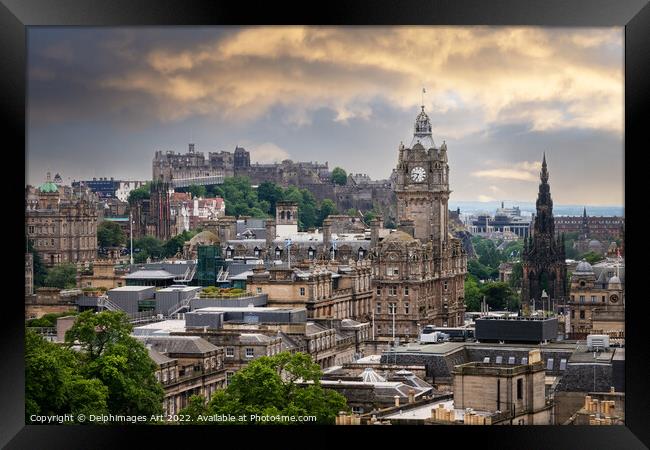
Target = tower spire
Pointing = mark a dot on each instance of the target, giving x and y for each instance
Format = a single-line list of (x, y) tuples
[(544, 173)]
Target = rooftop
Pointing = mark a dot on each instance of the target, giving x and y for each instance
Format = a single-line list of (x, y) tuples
[(131, 289), (150, 275)]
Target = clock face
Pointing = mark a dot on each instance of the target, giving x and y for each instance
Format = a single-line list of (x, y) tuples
[(418, 174), (613, 298)]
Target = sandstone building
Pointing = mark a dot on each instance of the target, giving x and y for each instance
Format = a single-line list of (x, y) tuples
[(61, 223), (419, 270)]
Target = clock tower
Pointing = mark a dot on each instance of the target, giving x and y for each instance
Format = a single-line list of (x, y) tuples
[(422, 186)]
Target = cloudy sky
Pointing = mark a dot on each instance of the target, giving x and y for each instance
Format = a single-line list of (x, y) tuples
[(102, 101)]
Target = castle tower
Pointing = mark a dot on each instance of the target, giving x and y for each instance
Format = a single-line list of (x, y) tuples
[(543, 258)]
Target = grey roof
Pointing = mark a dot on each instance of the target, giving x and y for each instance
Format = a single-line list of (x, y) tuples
[(288, 342), (584, 267), (370, 376), (313, 328), (159, 358), (150, 275), (254, 338), (178, 344)]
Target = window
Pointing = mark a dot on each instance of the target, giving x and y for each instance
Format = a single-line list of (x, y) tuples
[(378, 308), (593, 299), (278, 253), (511, 360), (257, 252), (520, 389), (392, 290), (259, 290), (302, 291), (499, 359), (486, 360), (392, 308), (582, 299), (230, 352), (406, 291), (573, 314), (582, 314), (549, 364), (378, 290), (229, 377), (446, 285), (406, 308), (249, 352), (563, 364), (31, 228), (524, 360), (392, 271), (603, 300)]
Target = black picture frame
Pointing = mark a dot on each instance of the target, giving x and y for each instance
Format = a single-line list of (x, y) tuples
[(16, 15)]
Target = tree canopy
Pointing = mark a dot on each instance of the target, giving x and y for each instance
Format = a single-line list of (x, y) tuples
[(339, 176), (110, 234), (63, 276), (121, 362), (143, 192), (111, 373), (39, 269), (269, 386)]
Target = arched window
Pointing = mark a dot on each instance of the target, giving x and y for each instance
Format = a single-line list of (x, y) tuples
[(282, 215)]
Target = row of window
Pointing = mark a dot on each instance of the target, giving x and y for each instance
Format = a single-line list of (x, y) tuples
[(524, 360), (230, 352), (593, 299), (392, 308)]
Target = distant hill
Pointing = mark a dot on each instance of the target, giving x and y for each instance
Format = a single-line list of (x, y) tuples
[(528, 208)]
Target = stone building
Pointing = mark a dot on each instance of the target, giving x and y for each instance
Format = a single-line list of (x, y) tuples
[(596, 303), (419, 270), (591, 227), (543, 257), (61, 223), (187, 365), (516, 390), (103, 274), (328, 290), (29, 274)]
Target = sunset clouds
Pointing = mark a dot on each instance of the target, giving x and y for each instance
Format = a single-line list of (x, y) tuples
[(339, 93)]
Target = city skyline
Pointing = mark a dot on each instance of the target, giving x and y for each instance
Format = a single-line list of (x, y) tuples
[(102, 101)]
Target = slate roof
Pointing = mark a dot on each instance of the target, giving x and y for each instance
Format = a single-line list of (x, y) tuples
[(178, 344)]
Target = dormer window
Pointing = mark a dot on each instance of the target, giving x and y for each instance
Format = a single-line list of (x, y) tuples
[(229, 252), (311, 253), (256, 252), (278, 252)]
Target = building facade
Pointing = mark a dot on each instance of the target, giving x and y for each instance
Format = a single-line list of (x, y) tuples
[(596, 302), (543, 257), (593, 227), (419, 270), (62, 224)]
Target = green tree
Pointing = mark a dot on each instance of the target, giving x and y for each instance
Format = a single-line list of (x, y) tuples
[(40, 272), (175, 245), (149, 246), (118, 360), (63, 276), (517, 275), (369, 216), (197, 190), (351, 212), (271, 193), (53, 383), (500, 296), (339, 176), (473, 294), (268, 385), (327, 207), (141, 193), (110, 234), (592, 257)]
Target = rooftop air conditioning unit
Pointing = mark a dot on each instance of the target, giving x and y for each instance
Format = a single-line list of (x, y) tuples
[(597, 342)]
